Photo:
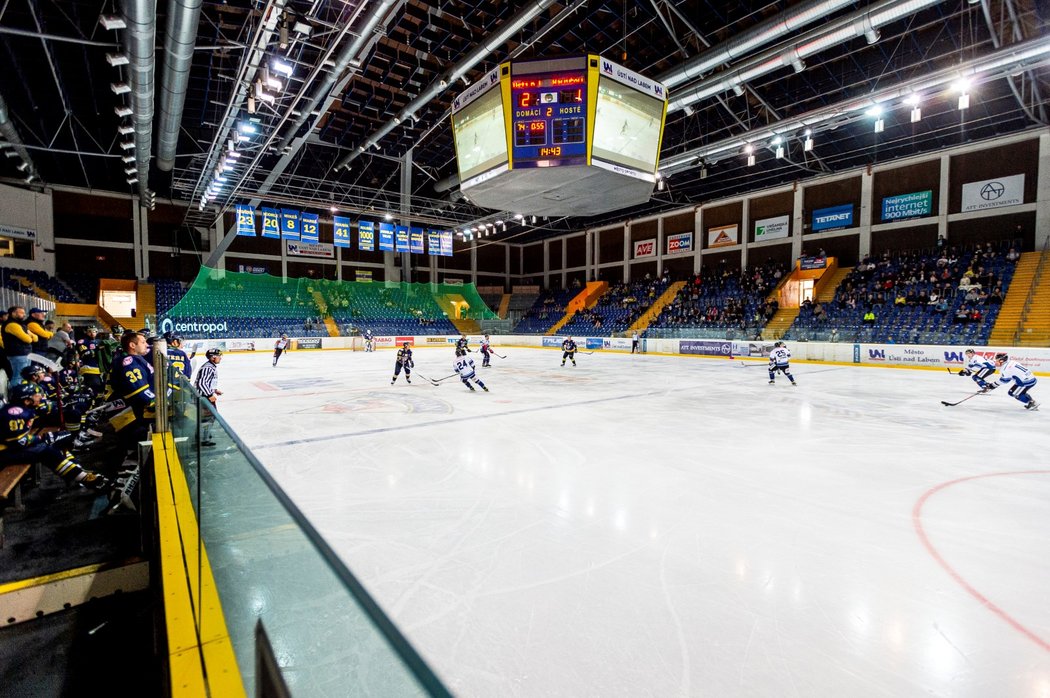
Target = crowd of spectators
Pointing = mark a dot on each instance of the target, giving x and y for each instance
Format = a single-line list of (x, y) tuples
[(724, 298), (895, 294)]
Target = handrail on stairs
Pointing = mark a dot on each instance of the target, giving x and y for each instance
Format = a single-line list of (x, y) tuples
[(1039, 269)]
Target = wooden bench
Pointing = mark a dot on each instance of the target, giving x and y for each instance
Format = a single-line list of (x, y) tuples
[(10, 478)]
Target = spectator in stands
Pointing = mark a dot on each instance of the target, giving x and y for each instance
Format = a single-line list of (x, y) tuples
[(975, 315), (834, 336), (996, 296), (1013, 255), (942, 306), (18, 342), (962, 315)]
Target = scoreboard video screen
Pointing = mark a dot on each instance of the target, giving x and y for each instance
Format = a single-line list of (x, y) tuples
[(549, 119), (481, 143)]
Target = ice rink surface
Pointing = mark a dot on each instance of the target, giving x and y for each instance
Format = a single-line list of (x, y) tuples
[(668, 526)]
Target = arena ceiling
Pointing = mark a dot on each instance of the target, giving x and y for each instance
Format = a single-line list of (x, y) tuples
[(372, 80)]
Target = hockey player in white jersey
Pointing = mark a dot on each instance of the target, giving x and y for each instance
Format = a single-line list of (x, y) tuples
[(1018, 377), (779, 360), (464, 366), (280, 346), (979, 368)]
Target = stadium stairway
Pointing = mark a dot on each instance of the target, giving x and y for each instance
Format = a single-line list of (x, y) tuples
[(504, 306), (31, 288), (646, 318), (779, 323), (322, 307), (146, 299), (826, 291), (1008, 323), (1035, 323), (587, 298)]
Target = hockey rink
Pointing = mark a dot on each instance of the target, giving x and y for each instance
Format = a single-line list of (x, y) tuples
[(667, 526)]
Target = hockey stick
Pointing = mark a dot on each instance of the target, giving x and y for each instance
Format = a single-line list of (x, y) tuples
[(750, 365), (953, 404), (499, 355), (44, 361), (432, 381)]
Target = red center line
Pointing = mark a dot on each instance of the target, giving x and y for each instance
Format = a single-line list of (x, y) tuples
[(916, 518)]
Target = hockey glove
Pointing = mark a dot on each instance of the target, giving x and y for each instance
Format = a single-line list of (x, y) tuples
[(965, 372)]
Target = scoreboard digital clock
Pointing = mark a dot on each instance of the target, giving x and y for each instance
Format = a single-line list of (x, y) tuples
[(549, 119)]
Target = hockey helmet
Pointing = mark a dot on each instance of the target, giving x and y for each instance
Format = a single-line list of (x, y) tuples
[(171, 338), (32, 370), (91, 328), (1002, 357), (969, 352), (23, 392), (406, 345), (778, 344), (284, 336), (211, 353), (461, 352)]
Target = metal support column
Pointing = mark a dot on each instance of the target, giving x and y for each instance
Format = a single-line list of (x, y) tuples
[(406, 211)]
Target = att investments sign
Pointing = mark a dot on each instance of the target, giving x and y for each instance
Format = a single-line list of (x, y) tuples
[(993, 193)]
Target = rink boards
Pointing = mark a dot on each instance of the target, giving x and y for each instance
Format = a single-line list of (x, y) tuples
[(892, 355)]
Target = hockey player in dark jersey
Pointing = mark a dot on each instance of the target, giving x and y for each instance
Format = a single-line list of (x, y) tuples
[(462, 342), (18, 445), (568, 348), (486, 352), (52, 410), (404, 360), (88, 355), (131, 378)]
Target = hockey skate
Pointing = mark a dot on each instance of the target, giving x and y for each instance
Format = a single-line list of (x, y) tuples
[(1032, 405), (772, 382), (486, 390), (94, 481)]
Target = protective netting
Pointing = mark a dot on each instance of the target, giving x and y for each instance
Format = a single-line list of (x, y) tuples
[(261, 305)]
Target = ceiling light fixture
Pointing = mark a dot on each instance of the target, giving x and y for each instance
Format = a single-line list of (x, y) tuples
[(123, 111), (112, 22), (120, 88), (117, 59)]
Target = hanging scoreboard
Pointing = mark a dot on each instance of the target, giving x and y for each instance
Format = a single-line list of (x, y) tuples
[(577, 115), (549, 117)]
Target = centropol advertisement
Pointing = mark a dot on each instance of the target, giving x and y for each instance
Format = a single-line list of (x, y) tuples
[(772, 228), (645, 248), (677, 244), (723, 235), (993, 193), (180, 327)]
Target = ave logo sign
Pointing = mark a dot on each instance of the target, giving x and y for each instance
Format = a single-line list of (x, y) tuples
[(645, 248)]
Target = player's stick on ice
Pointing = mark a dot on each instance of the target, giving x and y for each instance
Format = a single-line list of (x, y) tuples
[(949, 370), (953, 404), (745, 364), (499, 355), (432, 381)]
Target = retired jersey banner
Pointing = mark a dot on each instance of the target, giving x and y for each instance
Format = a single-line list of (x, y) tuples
[(386, 237), (366, 236), (416, 240), (271, 219), (309, 226), (993, 193), (290, 224), (245, 220), (401, 235), (723, 235), (645, 248), (446, 243), (340, 231), (433, 243)]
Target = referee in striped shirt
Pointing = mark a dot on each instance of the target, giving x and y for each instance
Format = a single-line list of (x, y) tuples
[(206, 383)]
